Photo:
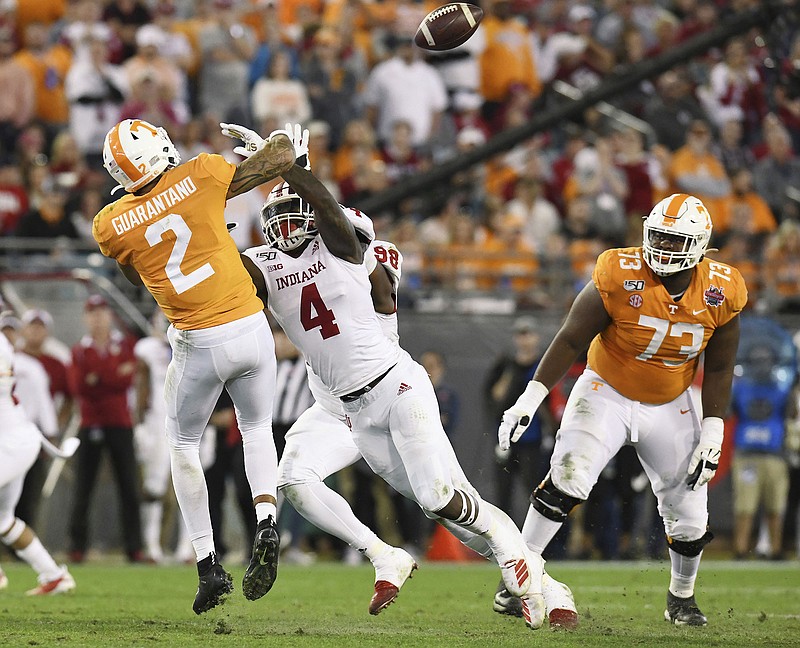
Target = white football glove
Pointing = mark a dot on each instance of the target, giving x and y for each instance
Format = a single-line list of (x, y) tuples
[(705, 458), (253, 142), (299, 137), (518, 417)]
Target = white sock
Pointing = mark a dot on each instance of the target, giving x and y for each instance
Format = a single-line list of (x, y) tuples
[(330, 512), (264, 510), (40, 559), (261, 465), (192, 495), (476, 516), (538, 531), (475, 542), (683, 573)]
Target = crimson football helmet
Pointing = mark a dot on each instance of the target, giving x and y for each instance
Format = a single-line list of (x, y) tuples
[(136, 152), (684, 219)]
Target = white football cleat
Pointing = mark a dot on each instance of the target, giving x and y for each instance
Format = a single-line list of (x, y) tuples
[(533, 610), (392, 568), (521, 569), (62, 584), (559, 603)]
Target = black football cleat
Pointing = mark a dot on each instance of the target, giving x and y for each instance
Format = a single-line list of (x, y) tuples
[(214, 587), (263, 568), (505, 602), (684, 611)]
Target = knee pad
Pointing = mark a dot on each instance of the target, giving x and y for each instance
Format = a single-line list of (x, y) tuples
[(690, 548), (15, 528), (551, 502)]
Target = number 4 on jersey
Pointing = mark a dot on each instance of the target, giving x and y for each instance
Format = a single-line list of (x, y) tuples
[(315, 314)]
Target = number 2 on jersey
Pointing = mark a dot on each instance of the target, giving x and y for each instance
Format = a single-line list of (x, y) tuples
[(315, 314), (155, 235)]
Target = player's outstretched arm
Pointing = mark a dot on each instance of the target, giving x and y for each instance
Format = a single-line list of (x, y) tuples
[(333, 226), (275, 157), (586, 318)]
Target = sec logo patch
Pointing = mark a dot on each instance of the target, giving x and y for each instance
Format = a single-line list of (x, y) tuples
[(636, 300)]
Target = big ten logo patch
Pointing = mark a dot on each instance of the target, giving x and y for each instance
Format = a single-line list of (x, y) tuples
[(636, 300)]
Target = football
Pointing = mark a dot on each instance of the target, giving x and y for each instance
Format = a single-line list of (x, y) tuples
[(448, 26)]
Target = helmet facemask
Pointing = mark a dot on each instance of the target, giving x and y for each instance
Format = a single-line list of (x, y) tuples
[(286, 219)]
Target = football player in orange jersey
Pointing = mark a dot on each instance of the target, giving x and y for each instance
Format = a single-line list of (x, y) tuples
[(169, 234), (646, 316)]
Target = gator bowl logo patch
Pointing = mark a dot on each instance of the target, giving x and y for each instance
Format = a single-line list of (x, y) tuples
[(714, 296)]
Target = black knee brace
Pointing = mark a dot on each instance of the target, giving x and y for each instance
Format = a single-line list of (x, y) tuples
[(691, 548), (551, 502)]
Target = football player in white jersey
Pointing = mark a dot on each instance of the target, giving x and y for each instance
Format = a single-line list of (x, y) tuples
[(312, 277), (20, 443)]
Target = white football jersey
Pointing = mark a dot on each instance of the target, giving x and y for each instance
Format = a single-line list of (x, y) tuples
[(323, 304), (11, 412), (156, 353), (378, 253)]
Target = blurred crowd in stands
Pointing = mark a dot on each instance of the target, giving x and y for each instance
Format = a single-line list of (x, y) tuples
[(724, 126)]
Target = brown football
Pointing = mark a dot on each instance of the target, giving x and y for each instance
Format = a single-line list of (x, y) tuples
[(448, 26)]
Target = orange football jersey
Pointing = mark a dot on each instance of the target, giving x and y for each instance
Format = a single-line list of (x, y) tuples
[(176, 239), (651, 350)]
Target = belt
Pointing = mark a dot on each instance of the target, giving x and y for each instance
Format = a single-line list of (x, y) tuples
[(349, 398)]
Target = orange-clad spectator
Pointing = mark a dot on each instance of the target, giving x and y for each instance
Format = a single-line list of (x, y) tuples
[(739, 250), (508, 261), (745, 211), (781, 267), (18, 98), (458, 264), (293, 15), (695, 170), (41, 11), (361, 23), (507, 61), (47, 66), (358, 134)]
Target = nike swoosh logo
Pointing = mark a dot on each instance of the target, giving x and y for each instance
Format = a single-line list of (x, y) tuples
[(261, 560), (696, 312), (685, 411)]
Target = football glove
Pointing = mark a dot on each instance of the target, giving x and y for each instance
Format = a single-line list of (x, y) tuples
[(252, 141), (518, 417), (299, 137), (705, 458)]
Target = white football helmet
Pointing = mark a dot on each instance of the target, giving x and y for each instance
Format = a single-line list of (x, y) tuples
[(136, 152), (683, 219), (286, 219)]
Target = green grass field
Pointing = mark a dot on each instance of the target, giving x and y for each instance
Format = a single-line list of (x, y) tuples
[(748, 604)]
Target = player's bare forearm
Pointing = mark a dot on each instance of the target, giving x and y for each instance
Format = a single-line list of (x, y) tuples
[(271, 161), (586, 318), (720, 358), (333, 226)]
